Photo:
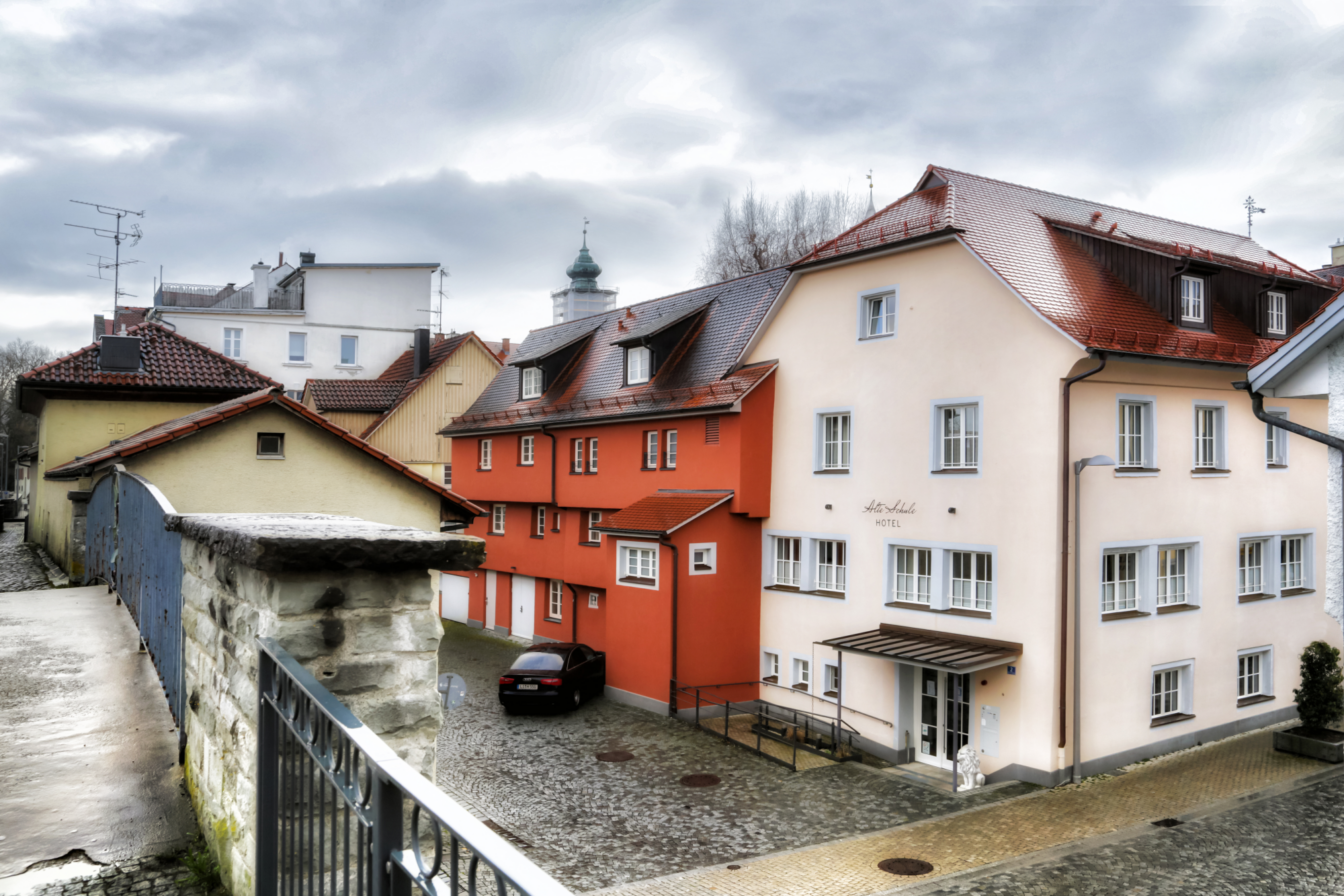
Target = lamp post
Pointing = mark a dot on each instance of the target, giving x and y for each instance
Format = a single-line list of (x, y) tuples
[(1100, 460)]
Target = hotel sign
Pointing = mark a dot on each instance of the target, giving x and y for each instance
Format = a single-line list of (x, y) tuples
[(889, 515)]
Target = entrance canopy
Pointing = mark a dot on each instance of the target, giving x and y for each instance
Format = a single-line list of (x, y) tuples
[(933, 650)]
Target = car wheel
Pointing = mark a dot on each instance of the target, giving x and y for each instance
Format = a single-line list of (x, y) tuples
[(578, 697)]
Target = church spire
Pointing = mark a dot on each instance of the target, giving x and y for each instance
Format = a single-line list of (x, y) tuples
[(583, 273)]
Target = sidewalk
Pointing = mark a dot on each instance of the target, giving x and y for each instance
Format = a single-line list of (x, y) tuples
[(1162, 788)]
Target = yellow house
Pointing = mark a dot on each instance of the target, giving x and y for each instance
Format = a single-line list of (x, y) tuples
[(265, 453), (402, 410), (104, 392)]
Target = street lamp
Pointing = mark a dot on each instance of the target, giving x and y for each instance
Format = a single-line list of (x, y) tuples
[(1101, 460)]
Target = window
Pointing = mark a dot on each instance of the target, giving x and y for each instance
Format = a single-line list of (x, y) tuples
[(961, 437), (703, 559), (651, 450), (527, 450), (638, 362), (1192, 299), (1276, 313), (835, 441), (914, 575), (594, 536), (531, 382), (1172, 587), (271, 444), (639, 565), (670, 449), (802, 674), (878, 315), (298, 348), (485, 454), (497, 519), (577, 450), (592, 600), (555, 605), (1250, 567), (1248, 675), (349, 351), (831, 566), (1210, 451), (788, 565), (1166, 692), (540, 515), (769, 666), (1119, 581), (1290, 562), (592, 455), (447, 475), (972, 581), (1255, 675), (233, 343), (1131, 434), (1276, 442), (830, 680)]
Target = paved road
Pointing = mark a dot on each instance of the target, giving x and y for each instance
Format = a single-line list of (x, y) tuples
[(20, 568), (88, 752), (595, 824), (1287, 844)]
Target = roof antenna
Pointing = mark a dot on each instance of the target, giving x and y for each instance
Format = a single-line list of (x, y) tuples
[(443, 297), (1251, 210), (585, 232), (872, 209), (116, 235)]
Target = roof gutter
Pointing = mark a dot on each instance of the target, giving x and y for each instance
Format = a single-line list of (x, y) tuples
[(1306, 432)]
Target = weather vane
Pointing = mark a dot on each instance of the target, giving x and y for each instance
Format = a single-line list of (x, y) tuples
[(871, 207), (1251, 210)]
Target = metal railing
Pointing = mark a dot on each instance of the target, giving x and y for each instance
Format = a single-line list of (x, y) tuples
[(795, 729), (332, 798), (220, 298)]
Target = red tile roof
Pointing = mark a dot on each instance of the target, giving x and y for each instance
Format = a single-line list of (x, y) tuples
[(182, 427), (167, 362), (374, 396), (663, 512), (1018, 232)]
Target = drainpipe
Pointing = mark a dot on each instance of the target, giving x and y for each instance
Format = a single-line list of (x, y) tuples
[(1064, 555), (676, 563), (551, 436), (574, 617), (1258, 407)]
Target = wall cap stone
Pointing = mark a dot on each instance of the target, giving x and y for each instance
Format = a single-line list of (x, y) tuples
[(301, 542)]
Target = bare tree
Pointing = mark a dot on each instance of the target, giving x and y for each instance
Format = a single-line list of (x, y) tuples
[(19, 356), (756, 233)]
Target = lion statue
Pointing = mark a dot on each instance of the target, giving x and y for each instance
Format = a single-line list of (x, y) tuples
[(968, 769)]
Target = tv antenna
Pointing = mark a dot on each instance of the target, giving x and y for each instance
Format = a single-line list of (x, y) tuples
[(443, 297), (1251, 210), (117, 235)]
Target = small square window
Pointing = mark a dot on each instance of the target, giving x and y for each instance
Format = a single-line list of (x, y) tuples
[(802, 674), (638, 361), (1255, 674), (1171, 698), (270, 444), (527, 450), (447, 475), (594, 519), (830, 685), (532, 382), (592, 600), (638, 566), (703, 559), (770, 666), (879, 316), (349, 351), (298, 347)]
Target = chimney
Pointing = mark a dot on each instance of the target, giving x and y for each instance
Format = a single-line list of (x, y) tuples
[(261, 285), (307, 258), (99, 327), (505, 349), (1337, 253), (421, 351)]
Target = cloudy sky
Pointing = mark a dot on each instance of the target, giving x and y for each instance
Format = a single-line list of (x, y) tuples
[(479, 135)]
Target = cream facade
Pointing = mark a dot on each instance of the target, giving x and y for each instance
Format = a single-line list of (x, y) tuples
[(864, 493)]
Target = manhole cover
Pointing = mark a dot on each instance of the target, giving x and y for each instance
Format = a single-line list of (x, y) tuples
[(1167, 822), (615, 756), (910, 867), (700, 780), (734, 867)]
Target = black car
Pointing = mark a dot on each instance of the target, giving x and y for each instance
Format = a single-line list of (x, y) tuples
[(553, 675)]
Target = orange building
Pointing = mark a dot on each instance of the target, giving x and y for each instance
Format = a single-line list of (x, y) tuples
[(619, 457)]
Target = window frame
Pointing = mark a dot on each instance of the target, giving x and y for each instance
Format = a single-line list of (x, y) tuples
[(238, 343), (633, 352), (354, 362), (484, 454), (980, 561), (916, 577), (592, 454), (1147, 577), (576, 452), (1148, 420), (539, 521), (1279, 439), (527, 451), (594, 600), (1199, 303), (531, 383), (839, 565), (940, 577), (889, 296), (669, 449), (937, 407), (498, 518), (1111, 561), (827, 692), (1270, 313), (623, 548), (278, 454), (803, 662), (1185, 678), (1215, 441), (846, 447), (555, 600), (594, 516), (1271, 564), (650, 448), (289, 347), (1265, 655), (770, 665), (448, 475), (796, 543), (711, 565)]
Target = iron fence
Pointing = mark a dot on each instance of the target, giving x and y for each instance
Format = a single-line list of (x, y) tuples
[(333, 801)]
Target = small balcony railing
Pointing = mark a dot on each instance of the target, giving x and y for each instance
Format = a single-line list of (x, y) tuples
[(228, 298)]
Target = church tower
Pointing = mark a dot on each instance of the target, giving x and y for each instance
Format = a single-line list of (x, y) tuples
[(583, 297)]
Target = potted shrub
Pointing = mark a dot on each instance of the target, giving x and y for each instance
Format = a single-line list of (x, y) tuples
[(1320, 703)]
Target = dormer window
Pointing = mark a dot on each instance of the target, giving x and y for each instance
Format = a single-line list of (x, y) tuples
[(1276, 313), (638, 361), (532, 378), (1192, 300)]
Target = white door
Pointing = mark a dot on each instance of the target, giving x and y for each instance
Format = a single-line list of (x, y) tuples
[(524, 607), (455, 600), (937, 744), (491, 590)]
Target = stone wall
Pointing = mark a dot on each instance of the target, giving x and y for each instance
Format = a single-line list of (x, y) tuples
[(350, 600)]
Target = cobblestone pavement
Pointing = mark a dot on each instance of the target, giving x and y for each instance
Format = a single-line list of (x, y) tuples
[(154, 876), (1286, 844), (21, 568), (1166, 787), (595, 824)]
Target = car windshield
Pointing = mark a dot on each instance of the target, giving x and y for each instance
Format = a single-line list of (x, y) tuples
[(542, 662)]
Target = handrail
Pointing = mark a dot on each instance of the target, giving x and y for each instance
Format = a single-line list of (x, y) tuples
[(782, 687), (373, 782)]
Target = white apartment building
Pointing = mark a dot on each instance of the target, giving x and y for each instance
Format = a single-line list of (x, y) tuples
[(316, 321), (919, 558)]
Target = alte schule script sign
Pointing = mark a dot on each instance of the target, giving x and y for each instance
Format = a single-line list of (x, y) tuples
[(889, 514)]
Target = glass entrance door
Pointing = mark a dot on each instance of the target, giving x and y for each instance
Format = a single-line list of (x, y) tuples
[(944, 716)]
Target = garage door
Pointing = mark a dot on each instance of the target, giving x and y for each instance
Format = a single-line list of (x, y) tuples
[(455, 597)]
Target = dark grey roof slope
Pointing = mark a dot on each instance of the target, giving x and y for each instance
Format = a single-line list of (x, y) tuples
[(698, 375)]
